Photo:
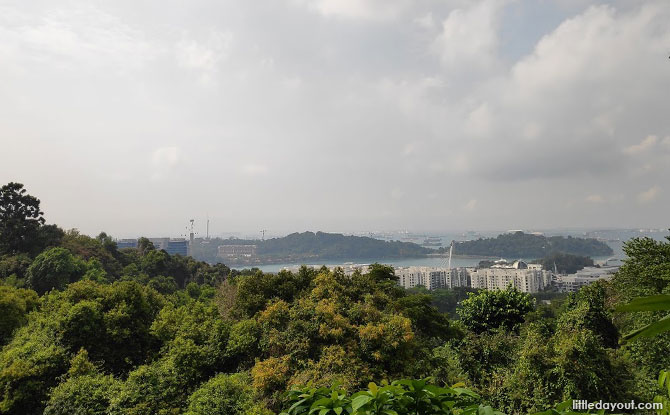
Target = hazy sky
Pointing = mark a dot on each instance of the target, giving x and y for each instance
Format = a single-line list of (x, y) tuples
[(338, 115)]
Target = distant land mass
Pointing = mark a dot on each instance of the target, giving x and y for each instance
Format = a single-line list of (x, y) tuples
[(523, 245), (311, 247)]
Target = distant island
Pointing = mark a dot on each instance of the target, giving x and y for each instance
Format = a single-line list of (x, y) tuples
[(524, 245), (305, 247), (317, 247)]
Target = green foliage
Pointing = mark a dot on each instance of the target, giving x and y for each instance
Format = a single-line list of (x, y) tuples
[(417, 397), (112, 322), (254, 291), (446, 300), (14, 266), (322, 245), (15, 304), (570, 360), (20, 219), (523, 245), (224, 395), (587, 309), (483, 357), (565, 263), (195, 340), (30, 366), (244, 341), (86, 395), (646, 273), (651, 303), (138, 331), (144, 246), (54, 269), (151, 389), (101, 254), (488, 310), (426, 319), (664, 397), (310, 246)]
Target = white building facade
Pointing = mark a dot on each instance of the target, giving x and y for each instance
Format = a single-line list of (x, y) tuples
[(524, 280)]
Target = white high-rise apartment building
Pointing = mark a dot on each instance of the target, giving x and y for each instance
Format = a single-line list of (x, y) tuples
[(519, 276), (432, 277)]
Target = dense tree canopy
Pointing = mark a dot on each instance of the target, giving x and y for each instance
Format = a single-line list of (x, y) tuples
[(565, 263), (523, 245), (489, 310), (20, 219), (312, 247), (87, 328)]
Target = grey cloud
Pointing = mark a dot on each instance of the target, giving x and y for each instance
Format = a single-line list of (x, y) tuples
[(344, 115)]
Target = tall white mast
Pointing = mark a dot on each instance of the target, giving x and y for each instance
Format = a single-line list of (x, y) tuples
[(451, 251)]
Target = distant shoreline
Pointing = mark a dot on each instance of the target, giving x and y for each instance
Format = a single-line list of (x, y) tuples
[(322, 260), (312, 261), (466, 256)]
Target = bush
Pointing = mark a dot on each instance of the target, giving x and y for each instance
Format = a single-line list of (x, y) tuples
[(224, 395), (488, 310)]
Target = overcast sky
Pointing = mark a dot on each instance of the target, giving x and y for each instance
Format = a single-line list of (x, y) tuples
[(133, 116)]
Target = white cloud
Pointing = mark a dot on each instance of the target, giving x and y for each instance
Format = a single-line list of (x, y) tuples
[(469, 39), (435, 97), (645, 145), (649, 195), (595, 198), (358, 9), (255, 169), (479, 121), (69, 38), (568, 108), (397, 193), (166, 156), (426, 21), (204, 56), (164, 160)]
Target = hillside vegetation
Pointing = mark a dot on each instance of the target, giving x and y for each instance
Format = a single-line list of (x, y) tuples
[(89, 329), (523, 245), (319, 246)]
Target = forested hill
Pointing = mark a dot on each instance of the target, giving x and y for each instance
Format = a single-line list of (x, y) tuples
[(310, 246), (523, 245), (338, 246)]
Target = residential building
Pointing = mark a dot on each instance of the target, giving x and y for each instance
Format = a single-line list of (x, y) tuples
[(586, 276)]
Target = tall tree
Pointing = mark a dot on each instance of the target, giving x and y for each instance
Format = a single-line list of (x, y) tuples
[(488, 310), (20, 219), (54, 268)]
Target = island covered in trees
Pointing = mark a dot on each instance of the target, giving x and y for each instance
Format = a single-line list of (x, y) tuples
[(309, 247), (524, 245), (87, 328)]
